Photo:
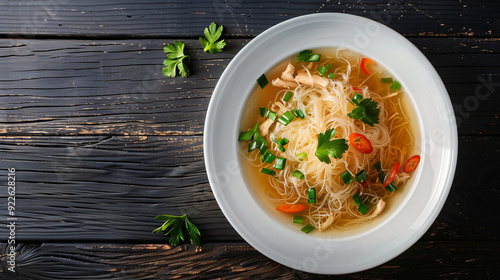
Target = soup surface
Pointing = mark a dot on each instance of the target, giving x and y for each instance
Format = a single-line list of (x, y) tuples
[(330, 143)]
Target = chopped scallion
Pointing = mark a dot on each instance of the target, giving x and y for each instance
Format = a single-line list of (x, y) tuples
[(262, 81), (361, 176), (287, 96), (281, 143), (331, 76), (286, 118), (386, 80), (299, 175), (329, 66), (363, 209), (284, 141), (346, 177), (268, 157), (357, 98), (280, 163), (246, 136), (322, 70), (268, 171), (301, 156), (395, 86), (378, 166), (391, 187), (308, 228), (272, 115), (301, 114), (314, 58), (298, 219), (357, 199), (295, 113), (311, 195)]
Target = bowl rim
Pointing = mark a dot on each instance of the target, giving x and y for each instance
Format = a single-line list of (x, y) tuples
[(436, 150)]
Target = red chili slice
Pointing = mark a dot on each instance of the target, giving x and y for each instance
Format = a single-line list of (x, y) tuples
[(291, 208), (411, 164), (392, 174), (365, 62), (360, 143)]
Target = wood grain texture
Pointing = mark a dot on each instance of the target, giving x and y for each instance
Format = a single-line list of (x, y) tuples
[(115, 87), (111, 188), (102, 142), (240, 18), (460, 260)]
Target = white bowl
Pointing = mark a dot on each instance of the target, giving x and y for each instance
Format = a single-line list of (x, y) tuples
[(317, 253)]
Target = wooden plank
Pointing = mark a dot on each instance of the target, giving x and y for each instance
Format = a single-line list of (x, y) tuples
[(115, 87), (427, 259), (240, 18), (111, 188)]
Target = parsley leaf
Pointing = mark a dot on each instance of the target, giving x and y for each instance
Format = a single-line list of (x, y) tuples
[(177, 225), (175, 60), (212, 33), (303, 55), (366, 110), (326, 148)]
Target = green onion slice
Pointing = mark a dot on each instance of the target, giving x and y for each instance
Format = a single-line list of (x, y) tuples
[(301, 114), (329, 66), (281, 143), (301, 156), (298, 219), (331, 76), (268, 171), (280, 163), (346, 177), (272, 115), (395, 86), (357, 98), (361, 176), (387, 80), (314, 58), (363, 209), (299, 175), (357, 199), (308, 228), (286, 118), (262, 81), (378, 166), (391, 187), (246, 136), (268, 157), (295, 113), (311, 194), (287, 96)]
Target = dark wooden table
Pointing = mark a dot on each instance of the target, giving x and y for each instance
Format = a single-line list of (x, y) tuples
[(101, 142)]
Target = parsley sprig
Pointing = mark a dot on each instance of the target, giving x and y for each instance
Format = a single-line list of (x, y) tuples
[(177, 225), (366, 110), (175, 60), (330, 148), (212, 34)]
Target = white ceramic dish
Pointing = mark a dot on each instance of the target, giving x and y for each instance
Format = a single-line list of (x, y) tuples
[(397, 232)]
